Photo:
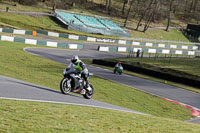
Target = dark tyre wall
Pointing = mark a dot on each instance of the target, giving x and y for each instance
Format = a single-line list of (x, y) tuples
[(153, 73)]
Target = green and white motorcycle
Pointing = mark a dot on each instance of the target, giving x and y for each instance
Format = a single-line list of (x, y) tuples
[(118, 70)]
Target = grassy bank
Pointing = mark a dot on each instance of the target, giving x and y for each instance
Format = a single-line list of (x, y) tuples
[(40, 22), (12, 6), (28, 22), (20, 116), (16, 63), (173, 35)]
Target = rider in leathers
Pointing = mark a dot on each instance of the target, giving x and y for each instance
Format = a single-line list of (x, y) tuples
[(79, 67)]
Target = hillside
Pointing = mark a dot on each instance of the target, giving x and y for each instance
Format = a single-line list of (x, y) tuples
[(29, 22)]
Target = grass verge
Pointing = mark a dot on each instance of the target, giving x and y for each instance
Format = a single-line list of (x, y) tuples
[(173, 35), (16, 63), (22, 116), (40, 22), (46, 23), (17, 7)]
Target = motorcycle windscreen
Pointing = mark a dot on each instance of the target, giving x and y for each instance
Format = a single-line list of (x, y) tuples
[(70, 68)]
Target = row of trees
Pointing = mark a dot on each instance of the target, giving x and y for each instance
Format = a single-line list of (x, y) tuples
[(149, 11), (143, 11)]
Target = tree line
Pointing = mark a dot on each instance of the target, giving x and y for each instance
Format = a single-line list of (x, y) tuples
[(144, 12)]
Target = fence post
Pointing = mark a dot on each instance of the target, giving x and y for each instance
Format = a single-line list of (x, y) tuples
[(142, 54)]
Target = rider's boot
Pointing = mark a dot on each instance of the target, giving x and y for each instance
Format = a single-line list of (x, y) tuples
[(83, 92)]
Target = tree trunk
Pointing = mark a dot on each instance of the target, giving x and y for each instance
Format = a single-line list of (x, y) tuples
[(191, 6), (152, 12), (124, 6), (186, 3), (18, 1), (109, 6), (169, 14), (54, 5), (128, 13), (144, 13), (137, 9)]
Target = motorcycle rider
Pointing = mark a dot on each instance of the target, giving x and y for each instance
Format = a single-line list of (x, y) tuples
[(118, 65), (79, 67)]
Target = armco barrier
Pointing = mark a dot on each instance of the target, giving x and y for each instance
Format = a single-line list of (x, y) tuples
[(160, 73), (41, 42), (85, 38), (125, 42), (148, 50)]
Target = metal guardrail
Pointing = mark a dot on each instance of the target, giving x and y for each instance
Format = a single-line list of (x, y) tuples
[(161, 41)]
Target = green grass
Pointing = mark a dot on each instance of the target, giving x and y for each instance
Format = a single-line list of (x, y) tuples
[(16, 63), (11, 6), (23, 116), (28, 22), (41, 22), (20, 21), (173, 35)]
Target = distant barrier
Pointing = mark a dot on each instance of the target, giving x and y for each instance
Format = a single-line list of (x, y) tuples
[(40, 42), (125, 42), (148, 50), (93, 39)]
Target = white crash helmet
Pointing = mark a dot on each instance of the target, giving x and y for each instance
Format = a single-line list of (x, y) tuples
[(75, 59)]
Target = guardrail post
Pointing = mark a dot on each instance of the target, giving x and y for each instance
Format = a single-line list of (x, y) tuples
[(142, 54)]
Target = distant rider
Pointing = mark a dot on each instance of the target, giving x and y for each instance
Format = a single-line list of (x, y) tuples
[(118, 65), (79, 67)]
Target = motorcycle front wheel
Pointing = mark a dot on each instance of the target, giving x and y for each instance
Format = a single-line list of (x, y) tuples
[(89, 94), (64, 87)]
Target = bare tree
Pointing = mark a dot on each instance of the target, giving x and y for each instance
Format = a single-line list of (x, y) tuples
[(137, 8), (169, 14), (192, 5), (108, 5), (54, 5), (144, 13), (124, 6), (128, 13), (151, 13)]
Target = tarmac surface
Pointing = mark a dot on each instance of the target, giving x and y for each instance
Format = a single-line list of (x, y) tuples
[(16, 89)]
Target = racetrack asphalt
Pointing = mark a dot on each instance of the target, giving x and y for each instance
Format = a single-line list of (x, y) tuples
[(20, 90), (16, 89), (155, 88)]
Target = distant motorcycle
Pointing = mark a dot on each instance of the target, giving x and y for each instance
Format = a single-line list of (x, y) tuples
[(67, 83), (118, 70)]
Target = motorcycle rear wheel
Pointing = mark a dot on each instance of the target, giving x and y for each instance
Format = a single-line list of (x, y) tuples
[(63, 86), (89, 94)]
